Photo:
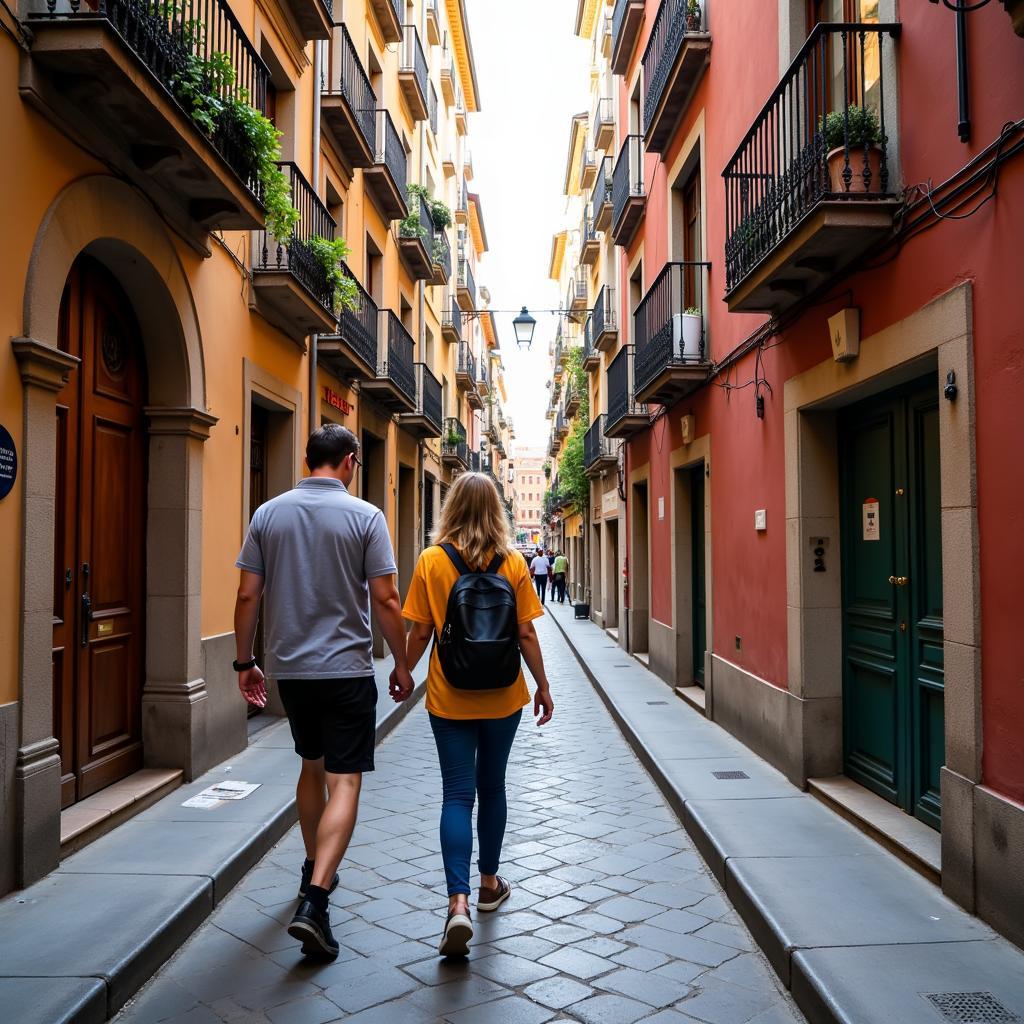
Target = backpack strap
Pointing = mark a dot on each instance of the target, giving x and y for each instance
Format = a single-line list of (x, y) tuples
[(495, 564), (456, 558)]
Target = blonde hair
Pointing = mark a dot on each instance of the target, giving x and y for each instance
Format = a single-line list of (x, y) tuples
[(474, 520)]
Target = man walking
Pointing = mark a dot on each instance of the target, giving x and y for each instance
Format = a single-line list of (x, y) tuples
[(319, 556), (560, 569), (539, 571)]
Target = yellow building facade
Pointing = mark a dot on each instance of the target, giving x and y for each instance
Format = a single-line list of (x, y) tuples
[(168, 355)]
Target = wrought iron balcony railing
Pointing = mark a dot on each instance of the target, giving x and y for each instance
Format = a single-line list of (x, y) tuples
[(625, 414), (598, 448), (359, 328), (432, 107), (354, 85), (628, 192), (296, 254), (428, 411), (604, 123), (389, 175), (822, 136), (466, 281), (466, 364), (441, 254), (413, 63), (396, 355), (451, 318), (668, 324), (604, 319), (170, 40), (626, 18), (453, 442)]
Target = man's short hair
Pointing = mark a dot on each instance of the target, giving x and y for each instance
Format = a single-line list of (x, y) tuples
[(329, 444)]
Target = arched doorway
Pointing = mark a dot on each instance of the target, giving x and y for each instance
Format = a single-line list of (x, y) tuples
[(99, 536)]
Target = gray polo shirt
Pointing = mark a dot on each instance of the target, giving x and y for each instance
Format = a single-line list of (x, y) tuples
[(317, 545)]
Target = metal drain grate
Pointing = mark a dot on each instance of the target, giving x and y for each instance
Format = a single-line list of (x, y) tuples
[(654, 702), (730, 775), (971, 1008), (624, 665)]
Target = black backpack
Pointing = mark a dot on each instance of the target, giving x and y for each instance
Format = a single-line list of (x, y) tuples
[(479, 643)]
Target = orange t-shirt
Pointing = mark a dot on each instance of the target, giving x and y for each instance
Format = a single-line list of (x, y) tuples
[(427, 601)]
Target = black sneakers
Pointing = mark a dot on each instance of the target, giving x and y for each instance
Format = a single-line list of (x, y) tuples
[(312, 928), (307, 877)]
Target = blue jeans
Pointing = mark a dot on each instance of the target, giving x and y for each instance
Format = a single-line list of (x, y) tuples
[(473, 756)]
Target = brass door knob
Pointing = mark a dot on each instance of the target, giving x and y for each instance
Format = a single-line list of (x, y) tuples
[(899, 581)]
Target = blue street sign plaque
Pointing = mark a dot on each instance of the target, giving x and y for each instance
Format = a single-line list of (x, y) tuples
[(8, 463)]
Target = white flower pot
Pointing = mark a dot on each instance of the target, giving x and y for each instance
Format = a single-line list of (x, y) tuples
[(687, 329)]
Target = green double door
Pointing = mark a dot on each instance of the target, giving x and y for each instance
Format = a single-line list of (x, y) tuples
[(892, 597)]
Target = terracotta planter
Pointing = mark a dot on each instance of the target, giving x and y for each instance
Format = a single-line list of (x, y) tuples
[(836, 165)]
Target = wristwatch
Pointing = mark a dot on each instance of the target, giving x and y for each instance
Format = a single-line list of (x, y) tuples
[(242, 666)]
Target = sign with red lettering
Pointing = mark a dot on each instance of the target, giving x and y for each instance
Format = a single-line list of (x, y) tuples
[(335, 401)]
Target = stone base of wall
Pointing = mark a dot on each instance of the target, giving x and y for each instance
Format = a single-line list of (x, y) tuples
[(663, 652), (226, 716), (8, 795)]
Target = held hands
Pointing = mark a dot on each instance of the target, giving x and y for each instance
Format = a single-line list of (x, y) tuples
[(400, 685), (253, 686), (543, 705)]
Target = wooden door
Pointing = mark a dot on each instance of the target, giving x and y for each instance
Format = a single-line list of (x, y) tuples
[(99, 550), (892, 598)]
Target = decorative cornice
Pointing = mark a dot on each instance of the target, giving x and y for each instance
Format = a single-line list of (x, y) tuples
[(42, 366), (180, 422)]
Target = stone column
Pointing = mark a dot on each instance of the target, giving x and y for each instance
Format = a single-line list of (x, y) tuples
[(174, 708), (44, 371)]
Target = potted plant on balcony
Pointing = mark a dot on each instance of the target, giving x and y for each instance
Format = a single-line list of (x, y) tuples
[(452, 439), (692, 15), (331, 253), (855, 130), (686, 334)]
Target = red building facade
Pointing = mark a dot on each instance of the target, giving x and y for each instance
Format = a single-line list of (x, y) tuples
[(817, 387)]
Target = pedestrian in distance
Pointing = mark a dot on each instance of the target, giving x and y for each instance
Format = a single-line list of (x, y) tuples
[(319, 557), (539, 571), (472, 592), (560, 568)]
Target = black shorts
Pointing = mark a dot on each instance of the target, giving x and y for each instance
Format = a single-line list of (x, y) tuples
[(335, 719)]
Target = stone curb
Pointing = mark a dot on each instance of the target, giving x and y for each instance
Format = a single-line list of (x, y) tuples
[(93, 996)]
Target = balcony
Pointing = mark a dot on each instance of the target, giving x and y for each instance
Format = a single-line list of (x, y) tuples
[(351, 354), (554, 445), (561, 424), (425, 420), (806, 194), (462, 204), (605, 39), (576, 298), (441, 256), (454, 449), (604, 124), (290, 287), (625, 415), (432, 107), (394, 384), (629, 198), (678, 51), (483, 384), (590, 243), (412, 73), (449, 81), (601, 197), (491, 429), (465, 367), (605, 329), (433, 23), (416, 242), (588, 170), (388, 14), (451, 320), (474, 462), (112, 80), (600, 453), (314, 18), (467, 165), (570, 400), (591, 356), (668, 335), (461, 125), (466, 286), (386, 177), (627, 18), (348, 106)]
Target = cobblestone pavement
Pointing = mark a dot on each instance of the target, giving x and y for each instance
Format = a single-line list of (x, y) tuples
[(614, 917)]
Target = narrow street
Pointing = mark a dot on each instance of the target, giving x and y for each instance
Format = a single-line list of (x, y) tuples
[(614, 917)]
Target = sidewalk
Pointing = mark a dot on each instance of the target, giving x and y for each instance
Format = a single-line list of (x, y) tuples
[(855, 934), (81, 942)]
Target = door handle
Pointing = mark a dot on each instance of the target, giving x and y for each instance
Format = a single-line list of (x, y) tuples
[(86, 617), (899, 581)]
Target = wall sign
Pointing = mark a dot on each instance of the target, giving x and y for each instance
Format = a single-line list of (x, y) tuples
[(8, 463), (335, 401), (872, 526)]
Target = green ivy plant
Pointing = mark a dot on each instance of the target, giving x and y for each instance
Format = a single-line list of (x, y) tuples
[(330, 253)]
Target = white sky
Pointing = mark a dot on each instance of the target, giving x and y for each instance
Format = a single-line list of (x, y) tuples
[(533, 74)]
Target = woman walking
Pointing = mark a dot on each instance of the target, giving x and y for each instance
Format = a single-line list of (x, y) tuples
[(474, 720)]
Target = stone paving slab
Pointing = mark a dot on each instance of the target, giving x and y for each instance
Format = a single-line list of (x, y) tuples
[(614, 917), (111, 914), (802, 879)]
